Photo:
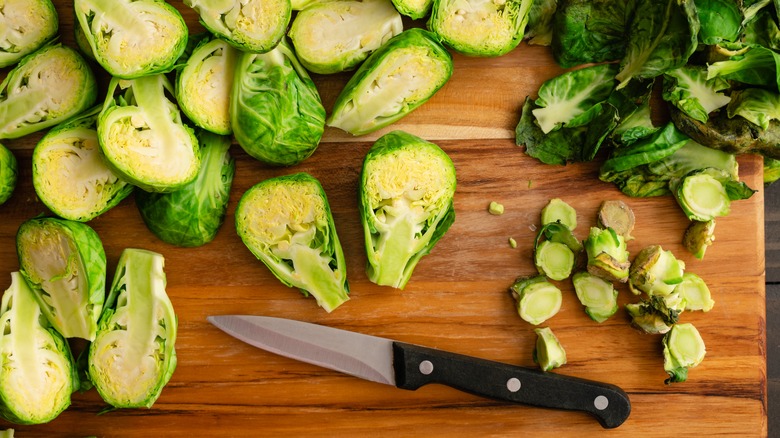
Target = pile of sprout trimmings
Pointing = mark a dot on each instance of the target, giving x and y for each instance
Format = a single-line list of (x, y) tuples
[(654, 275)]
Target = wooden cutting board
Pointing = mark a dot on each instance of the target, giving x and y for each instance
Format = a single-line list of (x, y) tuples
[(457, 299)]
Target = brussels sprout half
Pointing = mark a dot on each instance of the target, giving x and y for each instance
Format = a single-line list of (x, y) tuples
[(132, 38), (406, 193), (39, 373), (394, 80), (192, 215), (27, 26), (45, 88), (480, 27), (250, 25), (143, 137), (335, 36), (204, 84), (65, 265), (69, 173), (275, 109), (133, 356), (286, 223), (8, 173)]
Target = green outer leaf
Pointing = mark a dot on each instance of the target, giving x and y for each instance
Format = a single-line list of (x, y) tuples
[(540, 22), (688, 89), (757, 66), (720, 20), (589, 31), (34, 23), (771, 170), (276, 111), (756, 105), (47, 163), (379, 111), (30, 346), (71, 314), (8, 173), (558, 147), (661, 144), (192, 215), (133, 356)]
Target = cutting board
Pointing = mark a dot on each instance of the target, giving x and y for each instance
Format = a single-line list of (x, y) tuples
[(457, 299)]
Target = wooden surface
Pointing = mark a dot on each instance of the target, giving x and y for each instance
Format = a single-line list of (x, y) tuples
[(457, 299)]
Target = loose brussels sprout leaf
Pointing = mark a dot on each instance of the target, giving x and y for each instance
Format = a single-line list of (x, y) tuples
[(192, 215), (771, 172), (275, 109), (548, 352), (537, 299), (755, 105), (761, 30), (589, 31), (540, 22), (557, 210), (695, 293), (39, 373), (286, 223), (662, 35), (720, 20), (132, 38), (683, 349), (557, 147), (133, 356), (8, 173), (617, 215), (480, 28), (204, 84), (653, 315), (255, 26), (335, 36), (597, 295), (46, 87), (414, 9), (65, 265), (655, 271), (143, 137), (689, 90), (607, 254), (406, 193), (698, 237), (69, 172), (27, 26), (392, 82), (753, 66)]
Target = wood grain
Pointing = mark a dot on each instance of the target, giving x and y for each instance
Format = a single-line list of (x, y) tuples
[(457, 299)]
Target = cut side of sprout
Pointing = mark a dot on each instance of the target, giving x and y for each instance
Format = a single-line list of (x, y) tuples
[(597, 295), (558, 210), (695, 293), (27, 26), (537, 299), (548, 352), (683, 349), (703, 197), (554, 260)]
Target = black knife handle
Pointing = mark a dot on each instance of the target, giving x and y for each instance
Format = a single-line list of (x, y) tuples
[(416, 366)]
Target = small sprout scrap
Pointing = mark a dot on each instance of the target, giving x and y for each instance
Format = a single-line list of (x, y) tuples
[(512, 242), (698, 237), (653, 315), (8, 173), (495, 208), (619, 216), (695, 293), (655, 271), (607, 254), (598, 296), (548, 352), (537, 300), (558, 210), (683, 349), (555, 251)]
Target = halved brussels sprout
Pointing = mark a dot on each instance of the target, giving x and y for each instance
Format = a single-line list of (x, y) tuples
[(8, 173), (250, 25), (395, 80), (132, 38), (204, 84), (286, 223), (39, 373), (133, 356), (335, 36), (65, 265), (27, 26), (480, 27), (45, 88), (69, 173), (192, 215), (406, 193), (414, 9), (275, 109), (548, 351), (143, 136)]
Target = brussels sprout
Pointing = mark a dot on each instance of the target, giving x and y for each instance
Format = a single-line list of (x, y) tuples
[(548, 352), (27, 26), (478, 27), (689, 90), (698, 237), (406, 193), (683, 349), (653, 315), (46, 87), (39, 373), (69, 173), (655, 271), (607, 254), (414, 9), (335, 36), (204, 84), (8, 173), (133, 356), (250, 25), (132, 38), (557, 210), (275, 109), (589, 31), (555, 249), (394, 80), (65, 265), (597, 295), (617, 215), (286, 223), (143, 136), (695, 293), (537, 300), (192, 215)]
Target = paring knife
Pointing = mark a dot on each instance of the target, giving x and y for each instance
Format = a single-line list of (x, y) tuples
[(410, 366)]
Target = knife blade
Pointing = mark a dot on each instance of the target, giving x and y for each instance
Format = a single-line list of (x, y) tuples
[(410, 366)]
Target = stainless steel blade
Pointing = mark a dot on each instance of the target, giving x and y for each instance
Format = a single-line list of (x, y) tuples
[(364, 356)]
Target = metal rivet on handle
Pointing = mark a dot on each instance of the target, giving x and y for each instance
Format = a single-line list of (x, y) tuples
[(426, 367), (601, 402), (513, 384)]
